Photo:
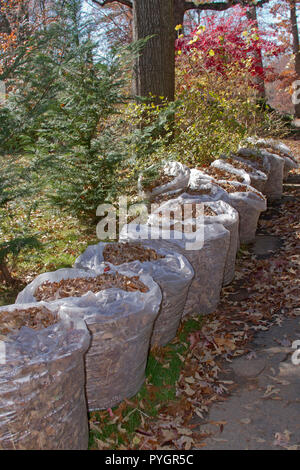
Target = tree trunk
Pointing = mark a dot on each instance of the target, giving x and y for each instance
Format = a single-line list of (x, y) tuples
[(252, 15), (179, 11), (4, 24), (154, 70), (296, 51)]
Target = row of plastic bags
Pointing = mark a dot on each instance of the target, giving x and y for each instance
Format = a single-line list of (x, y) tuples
[(95, 355)]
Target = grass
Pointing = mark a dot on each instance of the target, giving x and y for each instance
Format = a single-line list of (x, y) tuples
[(62, 238)]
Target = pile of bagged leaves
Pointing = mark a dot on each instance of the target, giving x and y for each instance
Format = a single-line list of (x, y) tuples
[(145, 292), (172, 272), (269, 292)]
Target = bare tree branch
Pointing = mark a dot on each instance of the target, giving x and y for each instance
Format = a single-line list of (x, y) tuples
[(221, 6), (102, 3), (217, 6)]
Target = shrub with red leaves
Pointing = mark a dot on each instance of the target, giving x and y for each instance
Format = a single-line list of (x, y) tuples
[(233, 39)]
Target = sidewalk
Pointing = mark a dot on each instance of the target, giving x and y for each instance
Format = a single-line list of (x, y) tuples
[(264, 410)]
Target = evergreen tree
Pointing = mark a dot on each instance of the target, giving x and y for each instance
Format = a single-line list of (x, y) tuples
[(77, 136)]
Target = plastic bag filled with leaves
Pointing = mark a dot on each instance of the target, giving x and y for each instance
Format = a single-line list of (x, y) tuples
[(225, 214), (213, 174), (273, 186), (172, 178), (207, 189), (206, 249), (249, 203), (253, 177), (214, 212), (42, 396), (119, 308), (278, 148), (169, 269)]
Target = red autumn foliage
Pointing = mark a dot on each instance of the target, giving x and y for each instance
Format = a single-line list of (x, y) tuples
[(233, 39)]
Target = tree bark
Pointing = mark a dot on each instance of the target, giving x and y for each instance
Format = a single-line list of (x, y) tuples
[(154, 69), (4, 24), (296, 51), (179, 11)]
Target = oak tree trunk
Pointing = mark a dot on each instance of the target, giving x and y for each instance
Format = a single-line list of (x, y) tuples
[(179, 11), (154, 69)]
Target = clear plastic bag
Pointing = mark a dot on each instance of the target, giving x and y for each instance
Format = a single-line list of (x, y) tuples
[(209, 190), (260, 171), (181, 174), (229, 218), (42, 396), (206, 249), (274, 144), (254, 177), (271, 143), (120, 324), (199, 177), (27, 294), (290, 163), (249, 204), (224, 214), (274, 186), (275, 165), (173, 273), (222, 164)]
